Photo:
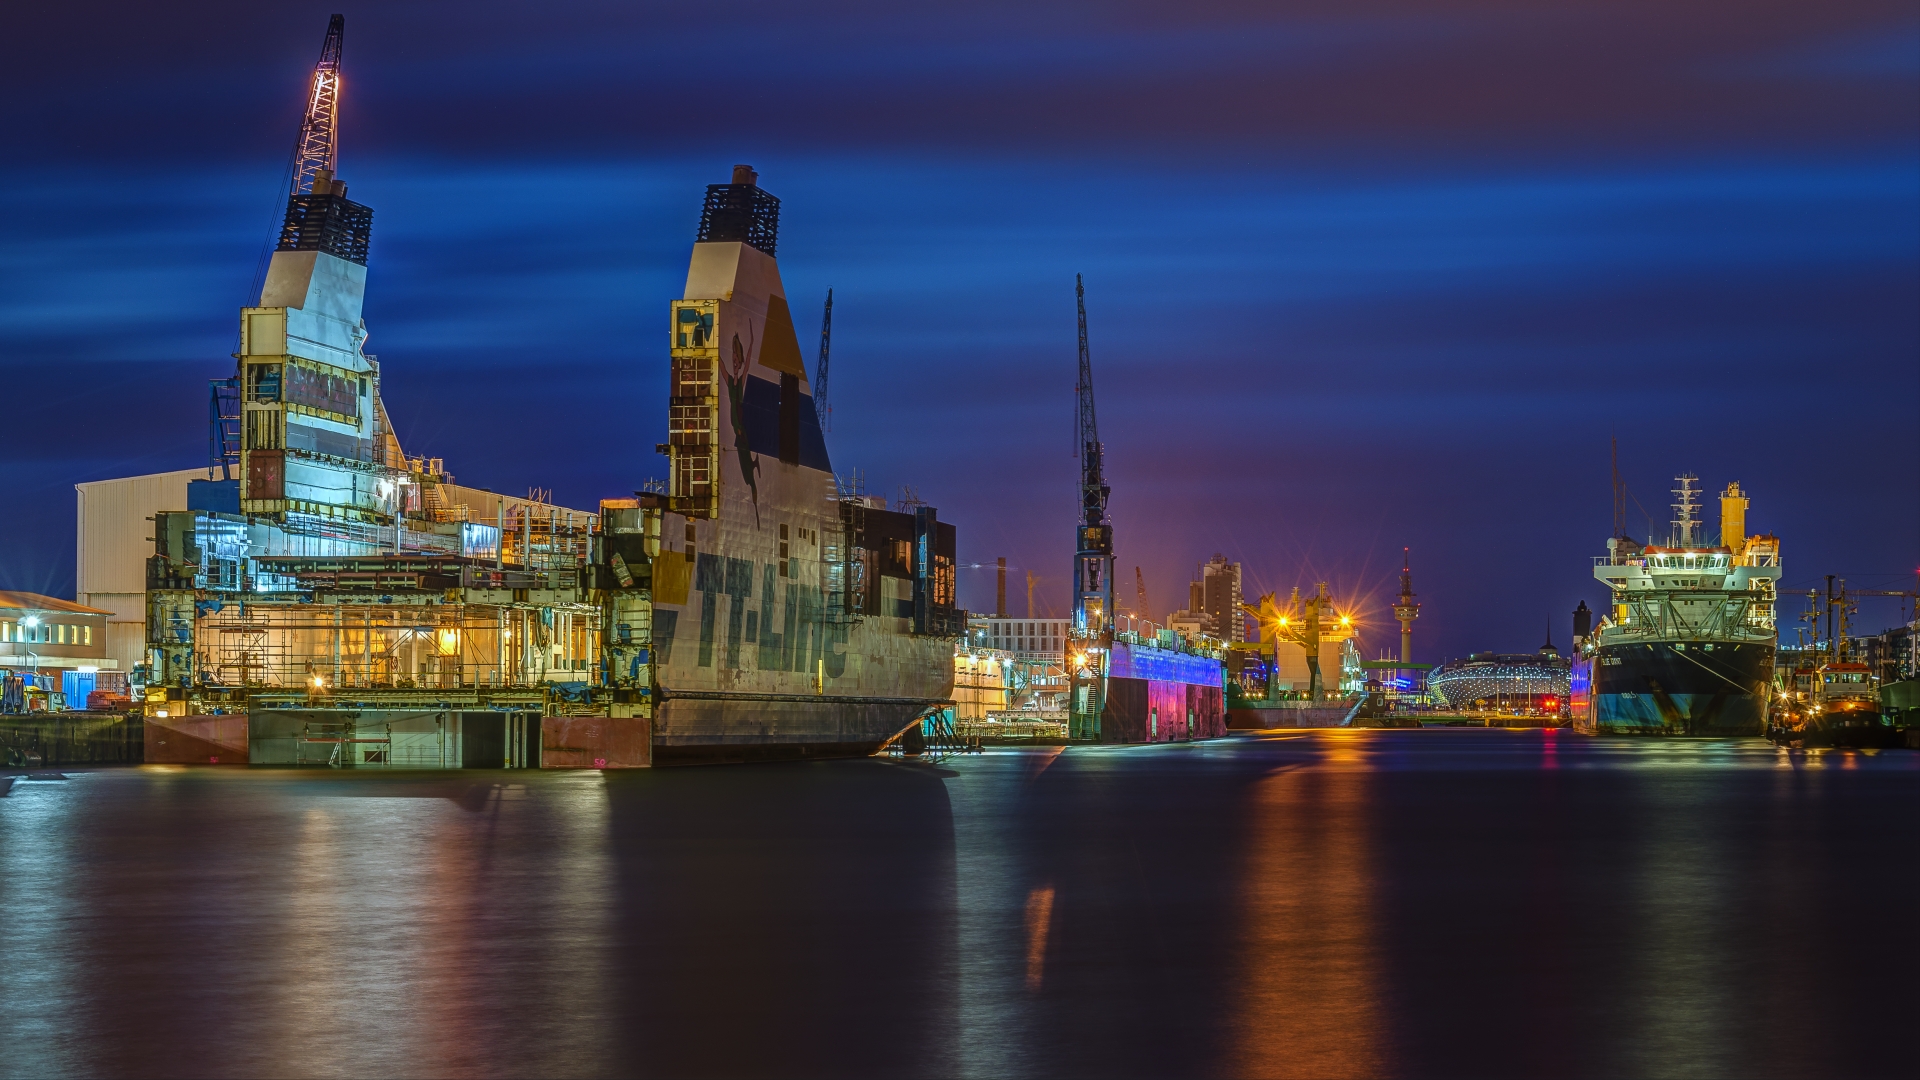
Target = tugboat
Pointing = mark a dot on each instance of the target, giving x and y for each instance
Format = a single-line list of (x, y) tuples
[(1688, 645), (1836, 703)]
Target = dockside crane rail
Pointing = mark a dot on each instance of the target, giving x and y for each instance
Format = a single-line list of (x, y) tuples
[(318, 146), (820, 406)]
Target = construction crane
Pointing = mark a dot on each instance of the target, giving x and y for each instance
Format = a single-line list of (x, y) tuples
[(820, 406), (1140, 592), (1093, 561), (1842, 603), (1091, 631), (318, 146)]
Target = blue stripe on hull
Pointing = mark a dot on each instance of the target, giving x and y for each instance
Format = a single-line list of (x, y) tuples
[(1680, 714)]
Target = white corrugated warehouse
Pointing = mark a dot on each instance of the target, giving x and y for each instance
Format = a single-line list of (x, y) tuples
[(112, 540)]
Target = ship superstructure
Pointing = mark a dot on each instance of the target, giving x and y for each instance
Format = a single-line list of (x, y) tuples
[(1687, 647), (351, 604), (756, 609)]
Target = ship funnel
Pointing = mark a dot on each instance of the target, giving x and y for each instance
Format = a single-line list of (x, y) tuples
[(1733, 519)]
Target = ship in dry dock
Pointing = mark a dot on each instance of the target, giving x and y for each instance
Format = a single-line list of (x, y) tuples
[(323, 598), (756, 609)]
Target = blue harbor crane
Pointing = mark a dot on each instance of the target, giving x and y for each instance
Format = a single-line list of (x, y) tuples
[(1092, 630)]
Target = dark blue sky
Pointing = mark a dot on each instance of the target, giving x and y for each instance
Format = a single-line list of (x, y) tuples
[(1360, 275)]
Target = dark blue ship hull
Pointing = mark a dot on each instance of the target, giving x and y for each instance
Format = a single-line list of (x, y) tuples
[(1713, 688)]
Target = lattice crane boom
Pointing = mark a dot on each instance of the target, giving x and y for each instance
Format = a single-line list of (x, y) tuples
[(1086, 429), (319, 144)]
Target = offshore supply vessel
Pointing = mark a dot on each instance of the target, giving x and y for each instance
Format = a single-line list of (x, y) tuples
[(1687, 647), (756, 608)]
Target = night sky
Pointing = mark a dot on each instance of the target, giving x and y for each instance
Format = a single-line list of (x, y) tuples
[(1360, 275)]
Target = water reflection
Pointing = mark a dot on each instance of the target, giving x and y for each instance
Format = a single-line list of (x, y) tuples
[(782, 920), (1324, 904), (38, 990), (1307, 1000)]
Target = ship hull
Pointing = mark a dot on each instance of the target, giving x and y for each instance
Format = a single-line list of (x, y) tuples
[(1716, 689), (769, 617), (706, 731)]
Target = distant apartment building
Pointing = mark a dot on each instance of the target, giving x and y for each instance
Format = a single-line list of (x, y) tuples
[(1220, 599)]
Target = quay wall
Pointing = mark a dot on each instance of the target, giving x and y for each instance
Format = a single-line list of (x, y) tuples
[(72, 739)]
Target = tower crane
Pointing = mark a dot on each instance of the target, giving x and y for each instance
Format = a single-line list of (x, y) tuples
[(318, 146), (1140, 591)]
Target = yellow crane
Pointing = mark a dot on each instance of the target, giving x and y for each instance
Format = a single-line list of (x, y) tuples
[(1308, 623)]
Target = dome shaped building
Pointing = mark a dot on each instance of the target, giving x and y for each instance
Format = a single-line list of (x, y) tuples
[(1534, 684)]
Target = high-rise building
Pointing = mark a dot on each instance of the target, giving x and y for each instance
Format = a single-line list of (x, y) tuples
[(1219, 597)]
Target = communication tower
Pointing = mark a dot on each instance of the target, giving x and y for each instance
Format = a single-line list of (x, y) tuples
[(1405, 608)]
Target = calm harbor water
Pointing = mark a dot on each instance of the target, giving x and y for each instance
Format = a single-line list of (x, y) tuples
[(1310, 904)]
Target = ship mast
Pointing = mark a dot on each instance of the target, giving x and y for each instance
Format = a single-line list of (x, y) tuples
[(1685, 523)]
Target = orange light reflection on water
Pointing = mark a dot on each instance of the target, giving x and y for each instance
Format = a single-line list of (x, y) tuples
[(1309, 975)]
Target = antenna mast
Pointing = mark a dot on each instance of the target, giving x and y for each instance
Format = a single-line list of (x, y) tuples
[(1619, 494), (319, 144), (1685, 523), (820, 406)]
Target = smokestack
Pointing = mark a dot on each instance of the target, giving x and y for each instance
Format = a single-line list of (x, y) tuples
[(744, 174), (1000, 593), (1733, 519)]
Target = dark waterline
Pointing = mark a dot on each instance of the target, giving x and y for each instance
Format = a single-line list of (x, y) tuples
[(1312, 904)]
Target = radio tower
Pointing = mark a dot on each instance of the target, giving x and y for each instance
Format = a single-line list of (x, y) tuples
[(1405, 608), (1092, 628), (319, 144)]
